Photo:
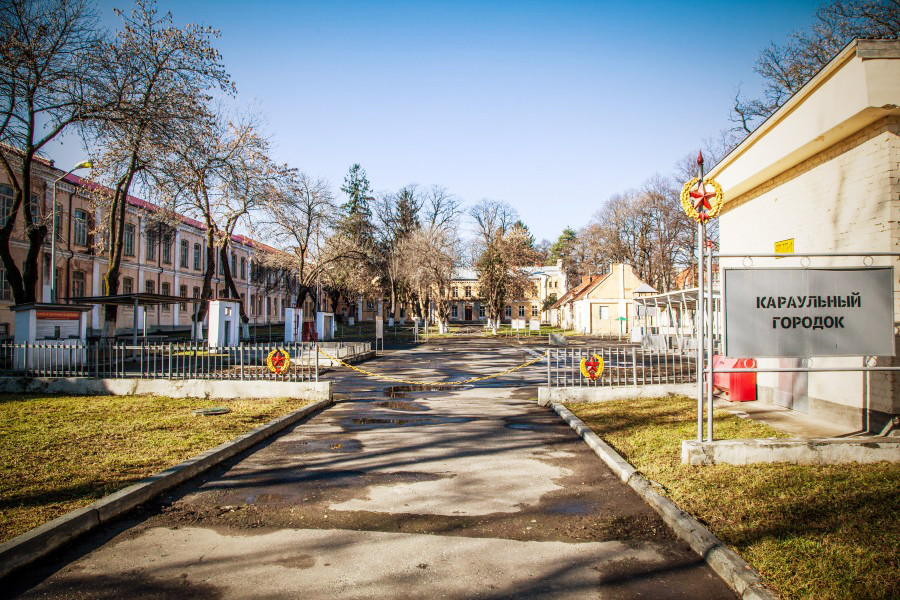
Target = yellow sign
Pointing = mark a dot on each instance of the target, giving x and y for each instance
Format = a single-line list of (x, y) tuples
[(785, 246)]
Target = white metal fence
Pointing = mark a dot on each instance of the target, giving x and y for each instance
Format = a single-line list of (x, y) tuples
[(622, 366), (170, 360)]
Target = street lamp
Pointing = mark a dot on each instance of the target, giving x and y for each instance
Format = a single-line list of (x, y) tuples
[(86, 164)]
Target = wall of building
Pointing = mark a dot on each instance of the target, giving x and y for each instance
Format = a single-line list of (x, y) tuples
[(80, 265), (843, 199)]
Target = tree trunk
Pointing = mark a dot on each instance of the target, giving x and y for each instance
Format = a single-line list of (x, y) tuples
[(116, 247), (24, 282), (229, 282)]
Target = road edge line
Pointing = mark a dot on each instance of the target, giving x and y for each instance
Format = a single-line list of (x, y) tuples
[(37, 543), (728, 564)]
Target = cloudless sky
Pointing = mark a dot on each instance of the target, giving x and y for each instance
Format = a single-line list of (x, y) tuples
[(551, 106)]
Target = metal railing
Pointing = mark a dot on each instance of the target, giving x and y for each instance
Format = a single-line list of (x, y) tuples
[(622, 366), (189, 360)]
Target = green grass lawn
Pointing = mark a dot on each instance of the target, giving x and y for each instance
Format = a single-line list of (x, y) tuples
[(818, 532), (59, 453)]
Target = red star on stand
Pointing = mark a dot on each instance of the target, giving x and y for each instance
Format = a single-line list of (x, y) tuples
[(591, 367), (278, 360), (702, 196)]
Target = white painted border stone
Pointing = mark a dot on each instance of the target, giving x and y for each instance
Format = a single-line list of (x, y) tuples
[(549, 395), (173, 388), (41, 541), (823, 451), (727, 564)]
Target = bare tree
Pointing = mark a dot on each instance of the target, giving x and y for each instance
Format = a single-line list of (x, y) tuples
[(155, 78), (300, 217), (785, 68), (503, 247), (219, 172), (47, 81)]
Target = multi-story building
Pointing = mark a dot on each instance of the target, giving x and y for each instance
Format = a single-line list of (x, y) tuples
[(168, 260), (547, 283)]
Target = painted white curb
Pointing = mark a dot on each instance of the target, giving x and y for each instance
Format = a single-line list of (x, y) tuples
[(727, 564), (41, 541)]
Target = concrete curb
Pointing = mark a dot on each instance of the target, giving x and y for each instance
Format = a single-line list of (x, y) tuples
[(727, 564), (41, 541)]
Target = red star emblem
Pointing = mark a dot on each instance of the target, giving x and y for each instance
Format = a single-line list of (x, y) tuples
[(702, 197), (591, 366), (278, 360)]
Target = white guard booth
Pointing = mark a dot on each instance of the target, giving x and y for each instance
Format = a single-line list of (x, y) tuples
[(224, 323), (293, 324), (52, 335), (325, 326)]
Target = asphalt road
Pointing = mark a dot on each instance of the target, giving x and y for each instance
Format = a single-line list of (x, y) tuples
[(464, 493)]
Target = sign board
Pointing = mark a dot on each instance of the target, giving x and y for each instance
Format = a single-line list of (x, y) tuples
[(809, 312), (58, 315), (785, 246), (379, 328)]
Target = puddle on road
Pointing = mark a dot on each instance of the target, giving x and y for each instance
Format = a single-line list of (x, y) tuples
[(572, 507), (403, 391), (405, 406), (326, 445), (528, 426), (365, 423)]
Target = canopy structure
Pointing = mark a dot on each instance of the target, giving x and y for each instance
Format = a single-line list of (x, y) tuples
[(135, 300), (669, 320)]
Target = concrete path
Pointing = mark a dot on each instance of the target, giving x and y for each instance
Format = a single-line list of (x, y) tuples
[(474, 493)]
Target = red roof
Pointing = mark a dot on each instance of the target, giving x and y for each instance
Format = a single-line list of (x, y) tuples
[(144, 205)]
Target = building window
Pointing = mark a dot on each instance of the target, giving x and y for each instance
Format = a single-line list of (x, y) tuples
[(243, 268), (455, 292), (468, 291), (59, 219), (166, 290), (81, 227), (196, 292), (4, 330), (150, 286), (5, 290), (36, 210), (221, 266), (481, 311), (167, 250), (534, 310), (233, 264), (370, 305), (151, 245), (521, 311), (198, 256), (129, 240), (78, 284), (6, 202), (182, 291), (508, 312), (183, 257), (127, 285), (252, 304), (454, 311)]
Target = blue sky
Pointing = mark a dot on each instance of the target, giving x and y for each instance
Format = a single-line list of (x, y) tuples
[(550, 106)]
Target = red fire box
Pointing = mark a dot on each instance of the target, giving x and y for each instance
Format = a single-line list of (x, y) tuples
[(741, 387)]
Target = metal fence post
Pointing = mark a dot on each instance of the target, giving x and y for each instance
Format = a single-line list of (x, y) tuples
[(317, 363), (548, 368), (634, 366)]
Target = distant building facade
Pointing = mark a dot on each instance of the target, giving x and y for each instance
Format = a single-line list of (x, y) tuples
[(169, 263)]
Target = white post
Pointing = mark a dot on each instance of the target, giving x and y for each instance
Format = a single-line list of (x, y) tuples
[(701, 237), (710, 338)]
